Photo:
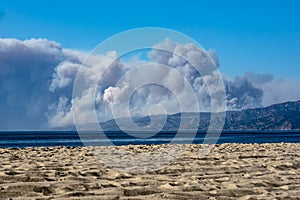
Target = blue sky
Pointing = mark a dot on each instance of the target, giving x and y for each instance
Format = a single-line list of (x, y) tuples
[(257, 36)]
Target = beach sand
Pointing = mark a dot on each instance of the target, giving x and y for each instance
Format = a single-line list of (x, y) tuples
[(229, 171)]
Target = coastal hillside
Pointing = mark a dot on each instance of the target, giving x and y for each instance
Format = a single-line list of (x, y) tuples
[(283, 116)]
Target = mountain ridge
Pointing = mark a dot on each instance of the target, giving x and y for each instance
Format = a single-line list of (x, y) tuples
[(281, 116)]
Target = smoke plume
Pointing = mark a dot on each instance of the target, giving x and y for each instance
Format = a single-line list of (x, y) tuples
[(37, 77)]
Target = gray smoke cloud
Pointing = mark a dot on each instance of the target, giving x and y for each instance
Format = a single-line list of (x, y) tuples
[(37, 77), (241, 94), (25, 76), (266, 90)]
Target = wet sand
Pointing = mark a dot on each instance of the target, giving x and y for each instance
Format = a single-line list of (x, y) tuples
[(229, 171)]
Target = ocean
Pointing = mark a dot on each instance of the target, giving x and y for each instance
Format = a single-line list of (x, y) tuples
[(20, 139)]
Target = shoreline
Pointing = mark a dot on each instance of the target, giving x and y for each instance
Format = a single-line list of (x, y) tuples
[(229, 171), (44, 139), (125, 146)]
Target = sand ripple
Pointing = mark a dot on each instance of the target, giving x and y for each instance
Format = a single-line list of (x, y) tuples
[(230, 171)]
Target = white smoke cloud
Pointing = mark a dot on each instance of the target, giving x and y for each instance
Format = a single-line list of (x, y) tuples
[(64, 75), (37, 77), (83, 103), (280, 90), (155, 94)]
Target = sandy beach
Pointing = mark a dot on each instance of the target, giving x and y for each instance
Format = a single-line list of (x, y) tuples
[(229, 171)]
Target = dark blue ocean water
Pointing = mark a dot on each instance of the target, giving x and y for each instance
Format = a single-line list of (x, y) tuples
[(71, 138)]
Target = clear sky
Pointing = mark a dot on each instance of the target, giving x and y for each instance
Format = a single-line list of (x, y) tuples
[(257, 36)]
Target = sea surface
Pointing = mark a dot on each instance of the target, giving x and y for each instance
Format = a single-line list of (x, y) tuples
[(17, 139)]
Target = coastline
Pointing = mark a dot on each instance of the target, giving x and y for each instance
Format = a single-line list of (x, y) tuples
[(229, 171), (22, 139)]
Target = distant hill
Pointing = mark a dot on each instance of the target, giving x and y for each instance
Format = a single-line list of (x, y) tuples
[(283, 116)]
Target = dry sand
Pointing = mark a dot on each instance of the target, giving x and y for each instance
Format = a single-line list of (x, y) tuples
[(230, 171)]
